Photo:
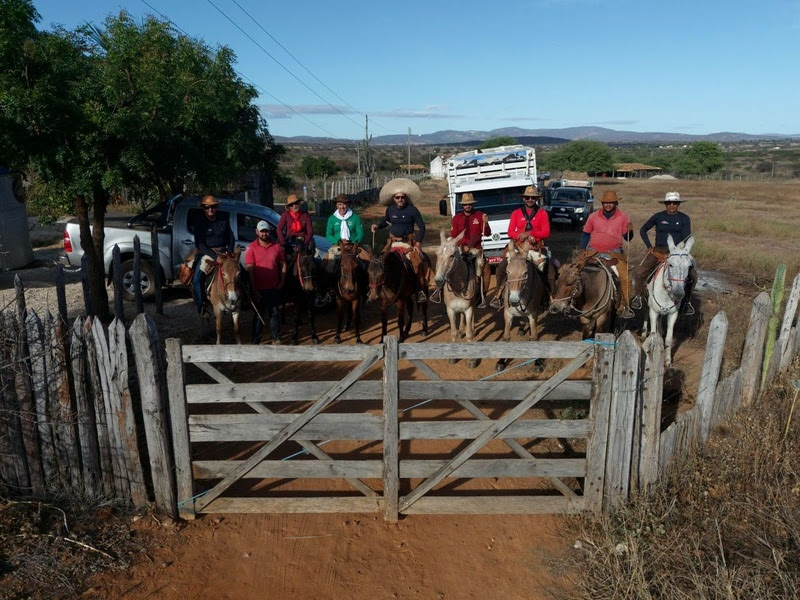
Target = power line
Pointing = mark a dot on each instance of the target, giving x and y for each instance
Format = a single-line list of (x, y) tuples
[(299, 62), (281, 102)]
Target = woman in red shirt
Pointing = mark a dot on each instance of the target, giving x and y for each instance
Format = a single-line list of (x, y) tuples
[(295, 228)]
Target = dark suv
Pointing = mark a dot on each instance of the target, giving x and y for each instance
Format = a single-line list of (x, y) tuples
[(570, 205)]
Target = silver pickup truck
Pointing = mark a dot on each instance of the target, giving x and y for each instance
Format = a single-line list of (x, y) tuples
[(173, 221)]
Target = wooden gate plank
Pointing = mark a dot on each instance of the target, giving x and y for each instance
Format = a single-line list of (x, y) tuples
[(496, 505), (291, 428), (497, 427), (492, 350), (391, 443), (307, 445), (515, 446), (753, 351), (653, 381), (712, 362), (180, 430)]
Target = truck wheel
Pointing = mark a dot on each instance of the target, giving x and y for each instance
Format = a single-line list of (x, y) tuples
[(147, 280)]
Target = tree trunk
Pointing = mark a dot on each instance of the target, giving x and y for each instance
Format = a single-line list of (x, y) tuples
[(92, 244)]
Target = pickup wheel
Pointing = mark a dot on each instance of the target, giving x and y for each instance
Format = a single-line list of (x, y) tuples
[(147, 280)]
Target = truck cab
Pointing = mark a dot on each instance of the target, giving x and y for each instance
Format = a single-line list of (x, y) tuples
[(570, 205)]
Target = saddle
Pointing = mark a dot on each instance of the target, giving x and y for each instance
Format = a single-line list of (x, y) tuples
[(586, 257)]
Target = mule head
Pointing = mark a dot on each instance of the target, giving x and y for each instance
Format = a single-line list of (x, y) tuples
[(376, 275), (445, 255), (306, 271), (348, 272), (518, 274), (568, 286), (228, 274)]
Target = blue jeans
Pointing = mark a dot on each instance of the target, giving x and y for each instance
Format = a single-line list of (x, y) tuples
[(199, 283), (267, 307)]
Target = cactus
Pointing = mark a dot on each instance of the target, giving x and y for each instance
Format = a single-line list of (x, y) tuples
[(776, 297)]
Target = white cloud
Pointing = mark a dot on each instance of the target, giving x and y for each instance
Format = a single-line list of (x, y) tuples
[(279, 111)]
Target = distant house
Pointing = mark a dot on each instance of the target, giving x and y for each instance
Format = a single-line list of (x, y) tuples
[(635, 170), (437, 169)]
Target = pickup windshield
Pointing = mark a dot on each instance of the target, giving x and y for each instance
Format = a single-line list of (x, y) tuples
[(497, 202), (564, 196)]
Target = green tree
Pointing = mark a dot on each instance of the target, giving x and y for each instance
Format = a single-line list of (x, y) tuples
[(502, 140), (314, 167), (700, 158), (581, 155), (93, 111)]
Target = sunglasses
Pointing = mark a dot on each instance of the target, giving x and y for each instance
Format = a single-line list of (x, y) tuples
[(212, 208), (673, 203), (530, 197), (401, 197)]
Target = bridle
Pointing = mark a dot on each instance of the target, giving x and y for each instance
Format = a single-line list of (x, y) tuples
[(523, 306), (577, 289), (347, 274), (380, 281), (223, 285), (666, 267)]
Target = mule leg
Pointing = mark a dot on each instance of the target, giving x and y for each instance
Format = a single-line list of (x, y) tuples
[(218, 318), (235, 318), (312, 317), (384, 321), (533, 333), (337, 339), (296, 334), (355, 309), (671, 318), (469, 327), (424, 308), (508, 320), (452, 316)]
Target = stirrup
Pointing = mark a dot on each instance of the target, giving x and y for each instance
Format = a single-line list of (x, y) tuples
[(688, 309), (421, 297), (636, 303), (496, 303), (481, 303), (436, 296), (627, 313)]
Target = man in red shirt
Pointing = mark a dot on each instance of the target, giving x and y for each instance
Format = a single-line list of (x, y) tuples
[(527, 222), (604, 233), (295, 228), (475, 225), (266, 267)]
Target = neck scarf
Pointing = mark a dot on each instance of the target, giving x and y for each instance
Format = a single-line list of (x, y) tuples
[(344, 231)]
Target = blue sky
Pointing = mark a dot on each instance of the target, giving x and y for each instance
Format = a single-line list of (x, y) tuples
[(692, 67)]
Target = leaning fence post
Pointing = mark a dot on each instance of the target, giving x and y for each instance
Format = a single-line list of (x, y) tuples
[(709, 376), (144, 340), (622, 414), (116, 267), (652, 392), (784, 349), (180, 429), (61, 293), (753, 351), (87, 433), (157, 279), (391, 467), (137, 274), (87, 293), (599, 415)]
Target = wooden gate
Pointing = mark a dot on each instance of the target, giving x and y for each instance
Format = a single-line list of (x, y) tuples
[(392, 443)]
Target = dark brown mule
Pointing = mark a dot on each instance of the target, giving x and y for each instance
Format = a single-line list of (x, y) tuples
[(301, 291), (350, 289), (392, 281), (591, 293), (225, 291)]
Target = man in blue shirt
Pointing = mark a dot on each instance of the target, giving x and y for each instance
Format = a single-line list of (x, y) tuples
[(211, 236)]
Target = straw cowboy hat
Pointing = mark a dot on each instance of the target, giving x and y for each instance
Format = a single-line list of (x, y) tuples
[(467, 198), (208, 201), (342, 198), (292, 199), (401, 185), (672, 197), (610, 196), (531, 191)]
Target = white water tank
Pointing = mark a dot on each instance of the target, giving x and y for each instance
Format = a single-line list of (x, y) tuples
[(15, 240)]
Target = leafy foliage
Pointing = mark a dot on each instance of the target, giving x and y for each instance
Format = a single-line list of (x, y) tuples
[(581, 155), (501, 140), (700, 158), (317, 166)]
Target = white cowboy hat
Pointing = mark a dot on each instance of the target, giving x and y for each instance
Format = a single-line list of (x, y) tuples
[(672, 197), (401, 185)]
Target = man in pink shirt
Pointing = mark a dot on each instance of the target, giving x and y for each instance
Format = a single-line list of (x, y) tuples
[(604, 233), (266, 265)]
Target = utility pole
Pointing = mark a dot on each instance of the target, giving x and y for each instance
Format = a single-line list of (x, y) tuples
[(408, 151), (358, 158), (368, 160)]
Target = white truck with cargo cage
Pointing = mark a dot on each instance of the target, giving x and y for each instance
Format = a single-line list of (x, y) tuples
[(496, 177)]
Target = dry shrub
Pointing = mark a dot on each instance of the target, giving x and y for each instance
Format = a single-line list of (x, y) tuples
[(724, 524)]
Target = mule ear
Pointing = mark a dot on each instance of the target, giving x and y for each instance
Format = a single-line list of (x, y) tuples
[(670, 243), (442, 236), (459, 236), (689, 243), (510, 247), (237, 252), (526, 246)]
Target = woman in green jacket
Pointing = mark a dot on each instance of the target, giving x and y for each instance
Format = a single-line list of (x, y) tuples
[(344, 224)]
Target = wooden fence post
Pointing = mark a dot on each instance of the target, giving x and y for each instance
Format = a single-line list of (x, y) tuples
[(753, 351), (144, 340), (40, 389), (391, 465), (599, 410), (137, 274), (61, 294), (621, 420), (87, 295), (157, 279), (116, 267), (87, 433), (104, 436), (12, 447), (715, 344), (180, 430), (653, 382), (784, 349)]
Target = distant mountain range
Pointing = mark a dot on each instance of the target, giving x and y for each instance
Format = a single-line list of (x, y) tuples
[(548, 136)]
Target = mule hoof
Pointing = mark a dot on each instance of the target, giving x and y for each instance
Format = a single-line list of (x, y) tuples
[(337, 340), (315, 340), (474, 362), (500, 366), (358, 340), (452, 361)]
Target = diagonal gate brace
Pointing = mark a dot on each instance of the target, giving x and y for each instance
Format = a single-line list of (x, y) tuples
[(498, 427), (290, 429)]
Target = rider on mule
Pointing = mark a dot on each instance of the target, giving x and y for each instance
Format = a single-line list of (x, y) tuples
[(401, 216), (212, 236), (295, 229), (529, 222), (344, 225), (669, 221), (603, 234), (475, 225)]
